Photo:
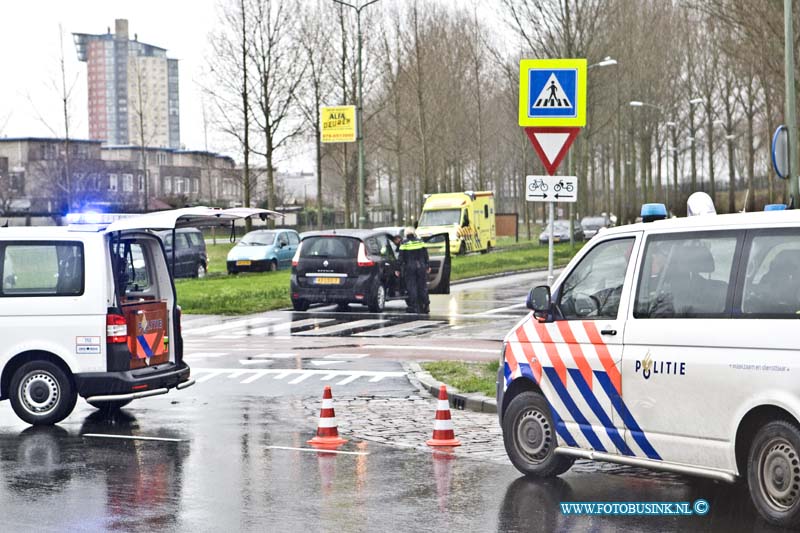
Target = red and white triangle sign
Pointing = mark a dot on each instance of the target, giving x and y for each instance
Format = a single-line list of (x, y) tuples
[(552, 144)]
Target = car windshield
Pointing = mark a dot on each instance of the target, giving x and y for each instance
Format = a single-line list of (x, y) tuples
[(329, 247), (593, 222), (259, 238), (440, 217)]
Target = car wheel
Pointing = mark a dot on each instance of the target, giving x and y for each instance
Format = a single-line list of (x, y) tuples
[(488, 248), (273, 266), (343, 306), (300, 305), (377, 301), (232, 272), (111, 406), (42, 393), (529, 435), (773, 473), (201, 271)]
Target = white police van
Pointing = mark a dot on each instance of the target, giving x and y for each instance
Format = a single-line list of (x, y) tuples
[(90, 309), (669, 345)]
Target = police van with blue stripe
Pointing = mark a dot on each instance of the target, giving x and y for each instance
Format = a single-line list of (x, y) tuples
[(668, 345)]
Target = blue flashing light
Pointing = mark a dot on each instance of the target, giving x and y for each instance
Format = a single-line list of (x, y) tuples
[(94, 218), (651, 212), (774, 207)]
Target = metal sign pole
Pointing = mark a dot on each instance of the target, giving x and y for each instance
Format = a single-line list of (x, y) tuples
[(551, 217)]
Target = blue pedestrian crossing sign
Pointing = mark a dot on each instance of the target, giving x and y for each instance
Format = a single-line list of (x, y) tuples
[(552, 92)]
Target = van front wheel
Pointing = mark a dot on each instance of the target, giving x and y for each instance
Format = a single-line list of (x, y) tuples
[(773, 473), (529, 435), (42, 393)]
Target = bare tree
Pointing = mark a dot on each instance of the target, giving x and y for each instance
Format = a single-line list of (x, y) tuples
[(280, 69), (316, 45)]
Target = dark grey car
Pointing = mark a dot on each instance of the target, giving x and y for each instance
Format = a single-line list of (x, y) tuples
[(191, 258)]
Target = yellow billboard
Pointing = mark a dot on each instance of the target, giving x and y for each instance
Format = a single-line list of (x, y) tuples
[(338, 124)]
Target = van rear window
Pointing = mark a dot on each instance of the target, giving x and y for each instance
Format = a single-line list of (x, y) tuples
[(42, 269), (330, 247)]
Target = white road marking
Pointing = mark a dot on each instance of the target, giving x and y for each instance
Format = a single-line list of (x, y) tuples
[(237, 374), (229, 325), (131, 437), (501, 309), (256, 361), (338, 328), (254, 377), (205, 355), (433, 348), (347, 356), (317, 362), (352, 378), (298, 379), (284, 326), (398, 328), (301, 374), (315, 450)]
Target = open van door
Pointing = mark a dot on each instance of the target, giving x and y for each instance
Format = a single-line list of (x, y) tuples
[(438, 246), (189, 217)]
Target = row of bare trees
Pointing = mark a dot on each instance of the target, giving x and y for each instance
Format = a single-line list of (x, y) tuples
[(441, 97)]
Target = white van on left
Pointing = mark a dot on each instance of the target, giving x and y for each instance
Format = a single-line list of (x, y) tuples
[(90, 310)]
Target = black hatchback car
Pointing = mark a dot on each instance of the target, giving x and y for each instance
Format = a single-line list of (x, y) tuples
[(357, 266)]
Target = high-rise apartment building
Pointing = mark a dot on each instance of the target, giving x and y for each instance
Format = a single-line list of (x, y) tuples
[(133, 89)]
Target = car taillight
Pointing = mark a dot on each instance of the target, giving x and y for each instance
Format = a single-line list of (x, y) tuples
[(363, 260), (116, 329), (296, 257)]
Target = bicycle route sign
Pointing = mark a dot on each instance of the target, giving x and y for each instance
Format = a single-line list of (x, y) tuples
[(551, 188)]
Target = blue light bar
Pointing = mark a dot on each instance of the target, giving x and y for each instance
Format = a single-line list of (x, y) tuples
[(651, 212), (774, 207), (95, 218)]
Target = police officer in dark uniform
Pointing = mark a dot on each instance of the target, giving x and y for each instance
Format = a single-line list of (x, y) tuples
[(415, 268)]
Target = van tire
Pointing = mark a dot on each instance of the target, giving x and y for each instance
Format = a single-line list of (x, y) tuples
[(200, 271), (42, 382), (377, 300), (529, 435), (111, 406), (273, 265), (300, 305), (773, 473)]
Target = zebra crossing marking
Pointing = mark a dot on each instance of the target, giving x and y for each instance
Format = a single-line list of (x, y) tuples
[(228, 325), (398, 328), (339, 328), (300, 375)]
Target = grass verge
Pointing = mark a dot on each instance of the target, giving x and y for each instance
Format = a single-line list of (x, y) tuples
[(234, 295), (251, 293), (510, 260), (466, 377)]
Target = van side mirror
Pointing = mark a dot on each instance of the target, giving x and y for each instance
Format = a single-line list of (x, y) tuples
[(539, 299)]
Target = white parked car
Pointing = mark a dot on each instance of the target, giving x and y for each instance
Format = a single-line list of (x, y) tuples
[(670, 345)]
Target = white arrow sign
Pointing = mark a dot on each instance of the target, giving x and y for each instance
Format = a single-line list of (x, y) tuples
[(551, 188)]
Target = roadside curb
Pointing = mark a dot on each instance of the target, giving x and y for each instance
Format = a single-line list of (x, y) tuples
[(423, 381)]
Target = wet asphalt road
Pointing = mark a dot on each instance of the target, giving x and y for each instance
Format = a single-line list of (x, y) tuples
[(231, 459)]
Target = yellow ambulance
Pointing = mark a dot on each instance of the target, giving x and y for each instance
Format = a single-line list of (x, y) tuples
[(468, 218)]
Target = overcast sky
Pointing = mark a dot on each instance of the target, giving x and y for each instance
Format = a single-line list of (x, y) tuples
[(29, 62), (29, 70)]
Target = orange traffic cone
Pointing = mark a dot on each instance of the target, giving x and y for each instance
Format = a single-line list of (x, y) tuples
[(327, 432), (442, 426)]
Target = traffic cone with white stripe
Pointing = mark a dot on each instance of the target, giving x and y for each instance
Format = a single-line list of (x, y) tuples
[(327, 432), (443, 426)]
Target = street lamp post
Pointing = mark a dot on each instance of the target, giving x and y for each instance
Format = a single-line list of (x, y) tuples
[(606, 62), (362, 218), (674, 151), (637, 103), (693, 102), (729, 137)]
